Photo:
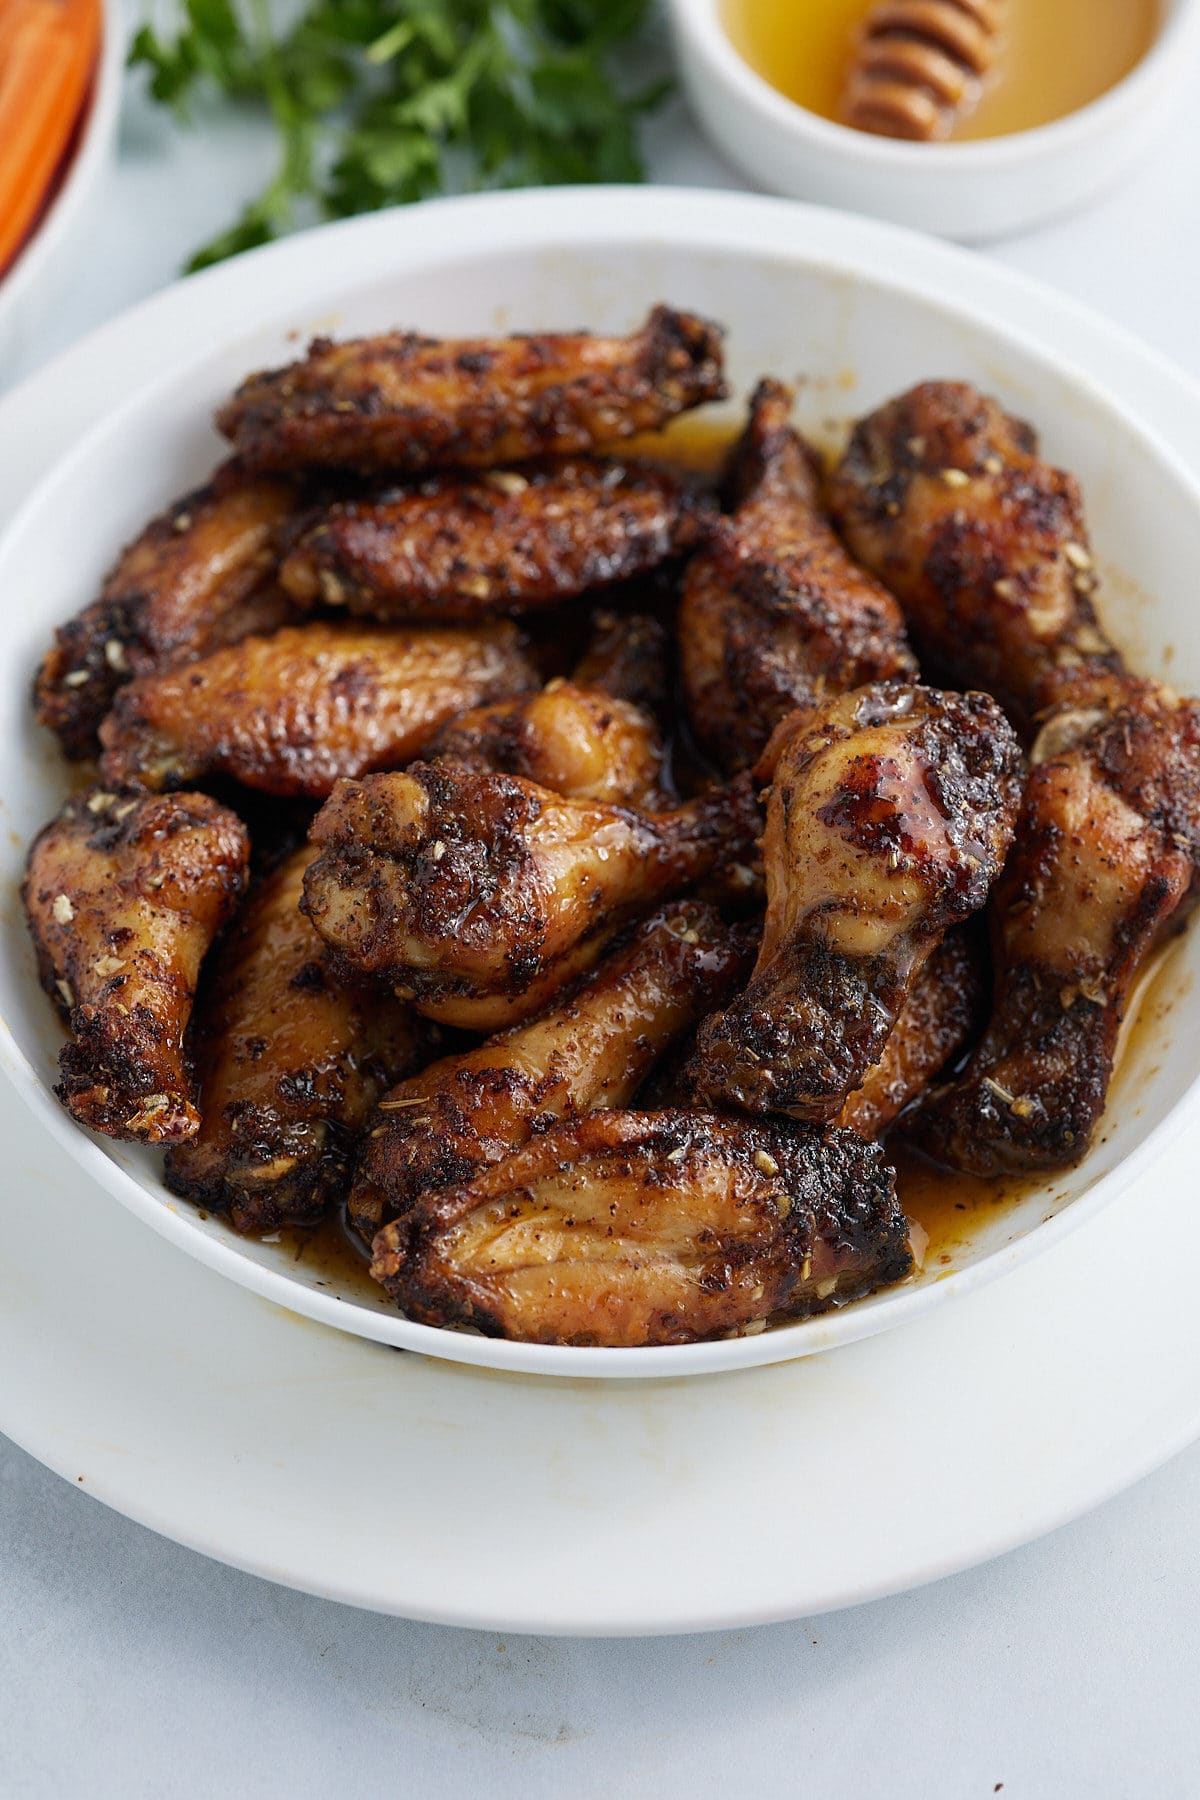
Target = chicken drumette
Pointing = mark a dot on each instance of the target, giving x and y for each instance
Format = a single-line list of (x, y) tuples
[(890, 814), (774, 614), (124, 894)]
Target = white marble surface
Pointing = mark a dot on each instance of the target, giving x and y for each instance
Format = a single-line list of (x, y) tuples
[(129, 1666)]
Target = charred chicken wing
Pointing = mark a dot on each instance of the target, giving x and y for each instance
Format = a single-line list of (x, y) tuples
[(627, 657), (405, 402), (441, 1127), (775, 614), (890, 815), (288, 1063), (293, 712), (1106, 850), (576, 740), (943, 495), (124, 894), (464, 547), (197, 577), (442, 881), (628, 1228)]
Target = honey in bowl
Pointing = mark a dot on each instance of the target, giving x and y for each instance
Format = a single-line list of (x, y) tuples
[(1053, 56)]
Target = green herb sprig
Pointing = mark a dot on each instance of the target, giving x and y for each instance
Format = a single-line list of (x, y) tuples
[(385, 101)]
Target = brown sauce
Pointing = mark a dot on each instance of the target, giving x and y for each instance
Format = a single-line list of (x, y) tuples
[(1057, 55)]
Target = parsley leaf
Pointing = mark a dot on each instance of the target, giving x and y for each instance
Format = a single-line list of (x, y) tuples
[(383, 101)]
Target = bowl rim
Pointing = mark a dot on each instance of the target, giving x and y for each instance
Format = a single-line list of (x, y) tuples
[(103, 107), (1177, 38), (841, 243)]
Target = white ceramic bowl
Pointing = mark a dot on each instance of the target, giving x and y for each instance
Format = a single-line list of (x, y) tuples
[(857, 311), (44, 262), (970, 191)]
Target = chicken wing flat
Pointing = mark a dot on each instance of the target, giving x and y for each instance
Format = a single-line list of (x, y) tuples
[(288, 1063), (1104, 859), (465, 547), (890, 815), (405, 402), (197, 577), (774, 614), (943, 495), (628, 1228), (442, 882), (123, 895), (293, 712), (944, 1007), (466, 1112), (575, 740)]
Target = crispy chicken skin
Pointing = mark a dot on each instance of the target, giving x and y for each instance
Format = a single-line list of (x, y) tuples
[(288, 1065), (197, 577), (124, 894), (943, 495), (577, 741), (889, 817), (292, 713), (944, 1007), (627, 657), (626, 1228), (1105, 856), (405, 402), (442, 881), (590, 1051), (774, 614), (465, 547)]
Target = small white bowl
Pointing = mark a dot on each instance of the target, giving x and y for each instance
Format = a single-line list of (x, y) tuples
[(970, 191), (32, 280)]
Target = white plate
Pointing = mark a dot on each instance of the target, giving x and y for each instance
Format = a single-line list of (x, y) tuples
[(31, 283), (451, 1494), (858, 311)]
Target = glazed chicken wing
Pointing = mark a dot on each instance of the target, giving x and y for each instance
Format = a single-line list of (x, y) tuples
[(441, 1127), (775, 614), (942, 494), (288, 1064), (1105, 857), (123, 895), (944, 1007), (405, 402), (890, 815), (650, 1228), (464, 547), (197, 577), (575, 740), (444, 882), (292, 713)]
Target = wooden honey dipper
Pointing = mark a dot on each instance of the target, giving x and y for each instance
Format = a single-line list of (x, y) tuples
[(919, 65)]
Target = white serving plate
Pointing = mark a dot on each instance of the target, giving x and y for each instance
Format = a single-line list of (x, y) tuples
[(857, 311), (44, 263)]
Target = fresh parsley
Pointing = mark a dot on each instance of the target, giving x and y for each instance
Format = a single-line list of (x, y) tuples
[(384, 101)]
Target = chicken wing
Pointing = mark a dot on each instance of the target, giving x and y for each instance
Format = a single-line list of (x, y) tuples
[(650, 1228), (774, 614), (444, 882), (1105, 856), (574, 740), (890, 815), (293, 712), (123, 895), (289, 1064), (405, 402), (197, 577), (944, 1007), (942, 494), (466, 547), (626, 656), (441, 1127)]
